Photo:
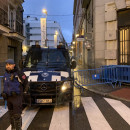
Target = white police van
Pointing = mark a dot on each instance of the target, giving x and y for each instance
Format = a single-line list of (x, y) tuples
[(49, 75)]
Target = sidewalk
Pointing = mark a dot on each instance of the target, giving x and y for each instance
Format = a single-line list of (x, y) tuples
[(123, 94)]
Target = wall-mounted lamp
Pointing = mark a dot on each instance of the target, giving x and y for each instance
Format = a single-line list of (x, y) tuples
[(88, 45), (73, 42), (77, 35), (56, 32)]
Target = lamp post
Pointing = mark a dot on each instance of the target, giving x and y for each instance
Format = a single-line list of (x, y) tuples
[(43, 29)]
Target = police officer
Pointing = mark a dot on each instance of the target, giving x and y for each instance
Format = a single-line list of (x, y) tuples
[(15, 83)]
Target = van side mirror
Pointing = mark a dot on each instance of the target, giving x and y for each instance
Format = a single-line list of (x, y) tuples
[(73, 64), (21, 64)]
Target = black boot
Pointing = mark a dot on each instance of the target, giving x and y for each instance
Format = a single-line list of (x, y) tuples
[(11, 120), (18, 121)]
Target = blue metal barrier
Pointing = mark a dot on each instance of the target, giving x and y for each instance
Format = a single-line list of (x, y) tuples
[(94, 76), (112, 74), (109, 73), (123, 73), (1, 86)]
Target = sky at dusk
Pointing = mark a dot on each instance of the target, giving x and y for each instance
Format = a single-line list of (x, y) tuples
[(58, 10)]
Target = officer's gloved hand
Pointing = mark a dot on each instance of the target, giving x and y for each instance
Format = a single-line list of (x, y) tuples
[(26, 88), (4, 95), (25, 92)]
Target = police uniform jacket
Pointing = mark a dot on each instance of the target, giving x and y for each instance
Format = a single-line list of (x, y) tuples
[(14, 81)]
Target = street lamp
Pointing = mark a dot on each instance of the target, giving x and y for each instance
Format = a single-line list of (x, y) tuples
[(73, 42), (77, 35), (56, 32), (44, 11), (25, 48)]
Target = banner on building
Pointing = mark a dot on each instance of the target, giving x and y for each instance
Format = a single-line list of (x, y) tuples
[(43, 32)]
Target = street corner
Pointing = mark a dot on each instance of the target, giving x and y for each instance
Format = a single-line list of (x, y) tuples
[(123, 94)]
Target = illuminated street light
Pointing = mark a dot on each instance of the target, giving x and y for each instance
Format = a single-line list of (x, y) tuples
[(72, 47), (56, 38), (56, 32), (77, 35), (73, 42), (25, 49), (44, 11)]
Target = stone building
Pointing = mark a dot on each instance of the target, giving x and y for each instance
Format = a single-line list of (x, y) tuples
[(105, 26), (11, 31)]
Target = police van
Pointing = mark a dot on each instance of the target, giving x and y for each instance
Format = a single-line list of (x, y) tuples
[(49, 75)]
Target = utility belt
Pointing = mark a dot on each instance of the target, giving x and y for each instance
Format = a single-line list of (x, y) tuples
[(13, 94)]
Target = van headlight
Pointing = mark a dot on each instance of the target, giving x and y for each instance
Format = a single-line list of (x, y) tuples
[(66, 85)]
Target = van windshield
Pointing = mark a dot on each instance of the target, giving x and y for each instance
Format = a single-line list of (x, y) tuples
[(41, 58)]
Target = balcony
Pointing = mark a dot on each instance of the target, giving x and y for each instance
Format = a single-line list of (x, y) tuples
[(3, 17), (14, 35), (19, 27), (3, 22), (35, 37), (4, 29)]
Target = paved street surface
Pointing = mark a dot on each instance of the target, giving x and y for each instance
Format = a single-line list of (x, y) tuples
[(88, 112)]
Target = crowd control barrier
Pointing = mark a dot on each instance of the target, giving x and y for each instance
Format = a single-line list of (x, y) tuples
[(123, 73), (95, 76), (112, 74)]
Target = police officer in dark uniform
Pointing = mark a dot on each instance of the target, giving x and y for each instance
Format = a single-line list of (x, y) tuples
[(15, 83)]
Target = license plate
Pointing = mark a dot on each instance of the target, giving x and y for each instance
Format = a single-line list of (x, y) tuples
[(44, 100)]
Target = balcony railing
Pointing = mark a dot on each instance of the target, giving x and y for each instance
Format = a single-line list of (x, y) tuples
[(19, 27), (3, 17)]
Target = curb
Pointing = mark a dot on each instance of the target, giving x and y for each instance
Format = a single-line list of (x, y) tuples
[(94, 91), (119, 98), (106, 94)]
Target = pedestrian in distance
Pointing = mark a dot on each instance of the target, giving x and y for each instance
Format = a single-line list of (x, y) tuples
[(15, 84)]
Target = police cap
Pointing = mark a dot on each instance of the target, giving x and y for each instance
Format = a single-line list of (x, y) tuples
[(10, 61)]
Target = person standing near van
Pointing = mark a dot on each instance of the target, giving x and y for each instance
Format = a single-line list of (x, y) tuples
[(15, 83)]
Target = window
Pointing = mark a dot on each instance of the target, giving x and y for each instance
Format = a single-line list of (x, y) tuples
[(124, 37), (124, 46), (11, 52)]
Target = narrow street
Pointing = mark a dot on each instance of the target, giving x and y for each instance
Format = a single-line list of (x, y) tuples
[(70, 52), (89, 111)]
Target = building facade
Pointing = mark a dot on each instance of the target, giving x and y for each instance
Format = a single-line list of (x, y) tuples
[(43, 32), (11, 31), (105, 26)]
